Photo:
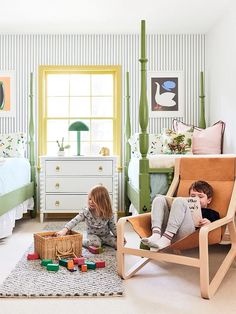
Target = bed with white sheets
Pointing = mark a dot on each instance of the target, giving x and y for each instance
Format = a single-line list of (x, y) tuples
[(16, 192)]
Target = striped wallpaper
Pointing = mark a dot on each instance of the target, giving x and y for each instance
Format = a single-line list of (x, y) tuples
[(24, 53)]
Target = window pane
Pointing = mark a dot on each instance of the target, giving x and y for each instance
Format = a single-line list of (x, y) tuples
[(58, 107), (58, 85), (79, 84), (102, 84), (102, 130), (102, 107), (80, 107), (56, 129)]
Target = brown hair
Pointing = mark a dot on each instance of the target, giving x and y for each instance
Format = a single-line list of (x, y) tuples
[(202, 186), (100, 196)]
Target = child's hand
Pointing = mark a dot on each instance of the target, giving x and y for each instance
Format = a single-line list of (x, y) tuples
[(203, 222), (62, 232)]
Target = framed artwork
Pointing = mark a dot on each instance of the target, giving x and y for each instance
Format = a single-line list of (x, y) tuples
[(165, 94), (7, 94)]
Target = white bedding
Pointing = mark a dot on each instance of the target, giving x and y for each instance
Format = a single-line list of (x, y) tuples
[(14, 173), (160, 161)]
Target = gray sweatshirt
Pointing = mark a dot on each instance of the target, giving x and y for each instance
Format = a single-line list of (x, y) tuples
[(95, 225)]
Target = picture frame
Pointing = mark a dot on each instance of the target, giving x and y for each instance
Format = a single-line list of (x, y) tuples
[(165, 94), (7, 93)]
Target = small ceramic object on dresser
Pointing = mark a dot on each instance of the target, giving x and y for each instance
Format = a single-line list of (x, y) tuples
[(104, 151), (62, 147)]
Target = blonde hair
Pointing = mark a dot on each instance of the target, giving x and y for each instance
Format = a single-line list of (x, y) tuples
[(100, 197)]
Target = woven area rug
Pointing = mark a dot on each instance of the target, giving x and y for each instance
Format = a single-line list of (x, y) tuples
[(30, 279)]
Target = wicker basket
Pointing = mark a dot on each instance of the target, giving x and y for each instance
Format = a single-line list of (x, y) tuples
[(49, 246)]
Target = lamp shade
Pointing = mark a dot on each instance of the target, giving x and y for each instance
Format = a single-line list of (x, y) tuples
[(78, 126)]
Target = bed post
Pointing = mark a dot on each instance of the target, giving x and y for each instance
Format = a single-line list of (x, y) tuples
[(31, 145), (202, 120), (127, 145), (144, 190)]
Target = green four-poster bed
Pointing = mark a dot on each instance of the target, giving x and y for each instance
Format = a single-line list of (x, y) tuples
[(139, 194), (19, 194)]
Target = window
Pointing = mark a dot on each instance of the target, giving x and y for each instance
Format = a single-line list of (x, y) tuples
[(88, 94)]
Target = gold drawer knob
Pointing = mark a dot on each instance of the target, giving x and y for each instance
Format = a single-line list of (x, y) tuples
[(57, 185), (57, 203), (100, 168), (57, 168)]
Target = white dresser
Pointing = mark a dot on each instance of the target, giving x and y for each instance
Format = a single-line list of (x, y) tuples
[(66, 181)]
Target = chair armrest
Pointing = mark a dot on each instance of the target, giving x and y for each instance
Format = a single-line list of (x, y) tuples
[(214, 225)]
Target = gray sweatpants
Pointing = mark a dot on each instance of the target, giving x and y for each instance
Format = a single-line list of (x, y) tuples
[(94, 240), (177, 219)]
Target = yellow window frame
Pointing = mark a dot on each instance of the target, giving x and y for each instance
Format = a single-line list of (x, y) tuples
[(42, 112)]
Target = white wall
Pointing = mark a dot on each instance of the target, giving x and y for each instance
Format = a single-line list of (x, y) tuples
[(221, 75)]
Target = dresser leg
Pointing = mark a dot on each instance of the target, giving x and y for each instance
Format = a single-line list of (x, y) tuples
[(41, 217)]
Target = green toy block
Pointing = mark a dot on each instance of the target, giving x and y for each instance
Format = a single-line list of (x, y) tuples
[(90, 265), (46, 261), (53, 267), (63, 262), (143, 246)]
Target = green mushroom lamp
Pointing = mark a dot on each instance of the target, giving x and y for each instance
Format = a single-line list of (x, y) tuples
[(78, 126)]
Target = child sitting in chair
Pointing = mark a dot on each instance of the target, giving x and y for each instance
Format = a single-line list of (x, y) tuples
[(176, 222)]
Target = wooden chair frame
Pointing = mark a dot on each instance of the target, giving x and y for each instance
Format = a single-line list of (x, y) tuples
[(207, 288)]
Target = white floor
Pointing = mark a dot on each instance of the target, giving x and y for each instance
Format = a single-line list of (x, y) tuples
[(158, 288)]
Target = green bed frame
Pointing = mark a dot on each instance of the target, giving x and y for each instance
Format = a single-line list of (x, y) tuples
[(10, 200), (140, 197)]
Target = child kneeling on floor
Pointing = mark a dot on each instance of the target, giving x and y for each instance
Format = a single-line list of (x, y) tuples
[(99, 219)]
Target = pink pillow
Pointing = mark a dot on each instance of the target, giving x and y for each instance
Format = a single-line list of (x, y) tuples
[(205, 141)]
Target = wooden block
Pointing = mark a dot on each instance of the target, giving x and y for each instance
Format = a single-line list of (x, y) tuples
[(90, 265), (95, 250), (100, 264), (101, 250), (70, 264), (84, 268), (79, 260), (46, 261), (63, 262), (53, 267), (32, 256)]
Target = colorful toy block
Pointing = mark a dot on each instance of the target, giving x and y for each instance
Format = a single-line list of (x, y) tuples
[(100, 264), (84, 268), (32, 256), (53, 267), (46, 261), (79, 260), (63, 262), (90, 265), (95, 250), (70, 264)]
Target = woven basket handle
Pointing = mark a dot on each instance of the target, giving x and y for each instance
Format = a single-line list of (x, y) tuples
[(61, 254)]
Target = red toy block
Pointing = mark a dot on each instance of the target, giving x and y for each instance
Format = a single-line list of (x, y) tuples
[(100, 264), (79, 260), (95, 250), (32, 256)]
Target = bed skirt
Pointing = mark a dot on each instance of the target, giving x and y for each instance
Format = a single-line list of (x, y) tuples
[(7, 221)]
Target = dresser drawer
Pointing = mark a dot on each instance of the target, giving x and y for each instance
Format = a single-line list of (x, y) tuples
[(65, 202), (83, 167), (76, 184)]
